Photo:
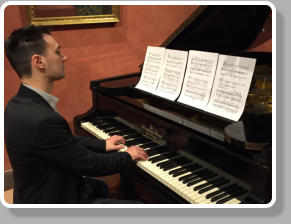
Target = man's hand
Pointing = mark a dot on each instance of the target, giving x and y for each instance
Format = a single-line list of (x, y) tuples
[(115, 142), (137, 153)]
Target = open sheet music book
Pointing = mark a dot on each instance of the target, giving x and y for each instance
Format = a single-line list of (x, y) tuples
[(213, 82)]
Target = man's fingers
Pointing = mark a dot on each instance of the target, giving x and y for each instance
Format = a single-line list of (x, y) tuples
[(142, 153), (118, 139), (121, 146)]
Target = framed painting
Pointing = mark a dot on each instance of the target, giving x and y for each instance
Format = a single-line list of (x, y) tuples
[(51, 15)]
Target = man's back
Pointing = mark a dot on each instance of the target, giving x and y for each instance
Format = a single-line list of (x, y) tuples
[(36, 179)]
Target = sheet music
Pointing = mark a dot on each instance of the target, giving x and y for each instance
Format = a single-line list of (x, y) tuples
[(199, 78), (231, 85), (151, 69), (172, 74)]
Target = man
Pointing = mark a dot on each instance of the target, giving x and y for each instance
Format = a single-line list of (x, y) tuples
[(48, 161)]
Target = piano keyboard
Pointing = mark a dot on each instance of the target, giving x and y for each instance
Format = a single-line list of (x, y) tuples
[(191, 178)]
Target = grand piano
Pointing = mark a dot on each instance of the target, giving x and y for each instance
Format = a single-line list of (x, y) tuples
[(194, 156)]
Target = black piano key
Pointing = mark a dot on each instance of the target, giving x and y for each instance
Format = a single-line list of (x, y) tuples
[(156, 151), (165, 163), (162, 157), (204, 190), (124, 132), (116, 127), (103, 126), (188, 177), (196, 177), (144, 140), (178, 173), (225, 194), (175, 164), (226, 188), (138, 140), (96, 124), (127, 130), (183, 161), (113, 131), (232, 196), (200, 179), (169, 166), (185, 169), (195, 174), (205, 176), (172, 166), (151, 152), (176, 161), (195, 181), (97, 121), (111, 128), (201, 186), (149, 145), (213, 185), (209, 176), (131, 135), (110, 120), (211, 182), (118, 124)]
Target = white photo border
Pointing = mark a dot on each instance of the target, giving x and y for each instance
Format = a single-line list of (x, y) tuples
[(271, 5)]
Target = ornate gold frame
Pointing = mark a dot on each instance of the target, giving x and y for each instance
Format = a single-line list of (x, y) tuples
[(70, 20)]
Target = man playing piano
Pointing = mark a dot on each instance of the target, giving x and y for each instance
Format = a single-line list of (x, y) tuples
[(48, 161)]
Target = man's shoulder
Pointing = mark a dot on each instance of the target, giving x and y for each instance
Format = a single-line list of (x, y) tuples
[(26, 109)]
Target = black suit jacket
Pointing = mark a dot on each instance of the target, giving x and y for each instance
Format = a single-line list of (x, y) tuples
[(48, 161)]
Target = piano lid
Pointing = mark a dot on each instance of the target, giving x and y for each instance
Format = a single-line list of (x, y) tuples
[(225, 29)]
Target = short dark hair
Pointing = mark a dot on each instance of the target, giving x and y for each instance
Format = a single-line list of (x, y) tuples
[(22, 44)]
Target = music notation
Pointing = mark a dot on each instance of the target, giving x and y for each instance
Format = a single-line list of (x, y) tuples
[(172, 74), (230, 88), (215, 83), (151, 70), (198, 78)]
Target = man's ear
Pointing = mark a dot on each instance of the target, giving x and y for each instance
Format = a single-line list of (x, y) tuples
[(38, 61)]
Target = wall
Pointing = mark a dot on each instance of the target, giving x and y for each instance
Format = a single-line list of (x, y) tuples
[(97, 51)]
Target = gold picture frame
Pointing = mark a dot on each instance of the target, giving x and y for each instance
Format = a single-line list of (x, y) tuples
[(40, 14)]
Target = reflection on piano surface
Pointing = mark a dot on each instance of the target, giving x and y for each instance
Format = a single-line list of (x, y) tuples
[(194, 157)]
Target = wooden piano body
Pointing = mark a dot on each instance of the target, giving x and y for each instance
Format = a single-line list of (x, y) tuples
[(198, 147)]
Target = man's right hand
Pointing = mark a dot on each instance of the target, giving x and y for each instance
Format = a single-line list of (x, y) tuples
[(137, 153)]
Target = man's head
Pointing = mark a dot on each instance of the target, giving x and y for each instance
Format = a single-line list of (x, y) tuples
[(33, 50)]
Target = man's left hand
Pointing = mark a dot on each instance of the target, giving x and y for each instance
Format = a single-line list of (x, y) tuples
[(115, 142)]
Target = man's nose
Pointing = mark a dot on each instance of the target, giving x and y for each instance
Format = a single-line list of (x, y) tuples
[(64, 57)]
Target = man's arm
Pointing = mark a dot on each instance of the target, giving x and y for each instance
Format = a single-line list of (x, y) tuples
[(91, 143), (55, 143)]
